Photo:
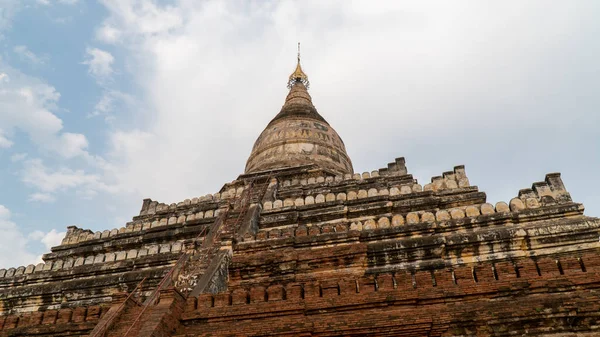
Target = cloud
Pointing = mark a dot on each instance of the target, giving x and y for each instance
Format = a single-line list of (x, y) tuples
[(50, 181), (99, 64), (29, 56), (4, 142), (52, 239), (15, 247), (27, 104), (17, 157), (108, 34), (8, 9), (42, 197), (64, 2), (110, 100)]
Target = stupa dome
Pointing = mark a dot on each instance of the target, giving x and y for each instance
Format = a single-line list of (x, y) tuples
[(299, 135)]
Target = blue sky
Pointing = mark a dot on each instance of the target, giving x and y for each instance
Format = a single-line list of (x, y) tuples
[(105, 103)]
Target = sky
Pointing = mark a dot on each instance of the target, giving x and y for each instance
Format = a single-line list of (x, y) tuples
[(105, 103)]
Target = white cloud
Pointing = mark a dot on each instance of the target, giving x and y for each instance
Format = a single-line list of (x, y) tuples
[(42, 197), (8, 8), (29, 56), (99, 64), (52, 239), (15, 247), (4, 142), (108, 34), (65, 2), (27, 104), (50, 181), (17, 157), (4, 77), (109, 101)]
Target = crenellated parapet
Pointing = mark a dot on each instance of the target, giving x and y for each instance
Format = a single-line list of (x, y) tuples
[(103, 259)]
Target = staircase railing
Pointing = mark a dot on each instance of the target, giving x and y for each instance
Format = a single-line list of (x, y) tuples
[(101, 328), (206, 244)]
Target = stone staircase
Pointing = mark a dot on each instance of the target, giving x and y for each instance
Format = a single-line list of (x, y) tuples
[(157, 320)]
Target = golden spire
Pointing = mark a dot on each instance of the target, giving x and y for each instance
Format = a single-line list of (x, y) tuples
[(298, 75)]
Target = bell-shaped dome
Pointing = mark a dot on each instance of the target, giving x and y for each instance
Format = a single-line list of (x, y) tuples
[(299, 135)]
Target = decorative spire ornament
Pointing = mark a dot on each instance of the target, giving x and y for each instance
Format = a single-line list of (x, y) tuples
[(298, 76)]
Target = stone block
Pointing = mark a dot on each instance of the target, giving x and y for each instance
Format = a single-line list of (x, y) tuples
[(457, 213), (47, 266), (362, 194), (487, 209), (532, 203), (356, 226), (89, 260), (502, 207), (309, 200), (132, 254), (451, 184), (341, 196), (58, 265), (121, 255), (320, 198), (442, 215), (397, 220), (372, 192), (99, 258), (412, 218), (176, 247), (516, 205), (30, 268), (383, 222), (369, 224), (428, 217), (299, 202), (109, 257), (330, 197), (472, 211), (68, 263)]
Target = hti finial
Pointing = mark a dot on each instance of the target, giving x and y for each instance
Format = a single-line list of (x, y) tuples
[(298, 76)]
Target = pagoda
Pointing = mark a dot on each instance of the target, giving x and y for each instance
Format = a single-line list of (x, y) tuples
[(301, 245)]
